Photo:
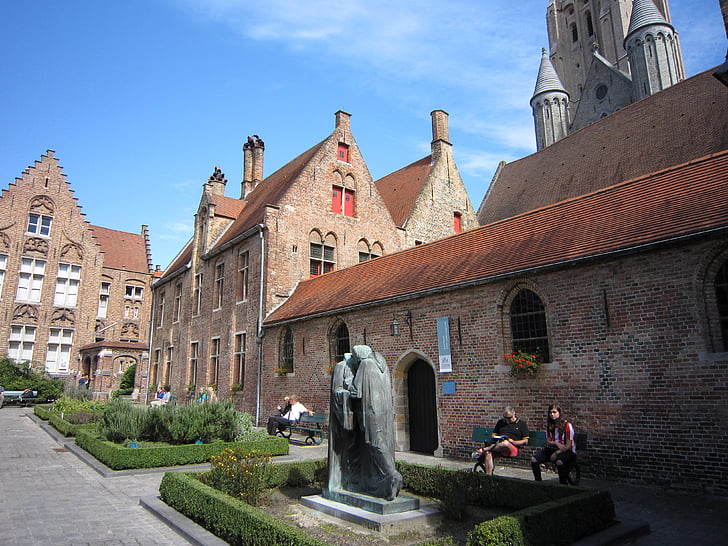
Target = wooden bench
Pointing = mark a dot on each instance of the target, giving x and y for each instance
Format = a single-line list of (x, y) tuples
[(15, 397), (310, 425), (483, 435)]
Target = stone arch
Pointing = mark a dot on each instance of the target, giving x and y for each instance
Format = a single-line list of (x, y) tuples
[(42, 204), (400, 371), (339, 339), (705, 291), (504, 301)]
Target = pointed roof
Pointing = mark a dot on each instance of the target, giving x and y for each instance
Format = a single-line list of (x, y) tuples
[(636, 140), (400, 189), (645, 13), (547, 79), (122, 250), (687, 200)]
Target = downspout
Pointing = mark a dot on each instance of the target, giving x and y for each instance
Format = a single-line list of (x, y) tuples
[(149, 352), (259, 339)]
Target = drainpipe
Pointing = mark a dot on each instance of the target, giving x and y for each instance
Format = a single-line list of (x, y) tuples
[(259, 339), (150, 351)]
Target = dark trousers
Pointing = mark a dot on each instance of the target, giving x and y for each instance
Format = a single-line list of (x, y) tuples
[(567, 458), (277, 422)]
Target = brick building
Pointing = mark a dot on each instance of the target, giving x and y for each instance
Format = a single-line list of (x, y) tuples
[(76, 298), (607, 253), (318, 213)]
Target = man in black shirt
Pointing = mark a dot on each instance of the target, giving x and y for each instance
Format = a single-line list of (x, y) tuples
[(509, 434)]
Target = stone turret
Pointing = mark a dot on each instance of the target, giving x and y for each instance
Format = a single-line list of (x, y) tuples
[(550, 105)]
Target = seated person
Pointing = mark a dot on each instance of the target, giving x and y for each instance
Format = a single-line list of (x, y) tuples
[(560, 447), (164, 399), (509, 434), (280, 422)]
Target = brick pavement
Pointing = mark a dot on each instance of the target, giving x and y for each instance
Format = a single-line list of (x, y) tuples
[(51, 496)]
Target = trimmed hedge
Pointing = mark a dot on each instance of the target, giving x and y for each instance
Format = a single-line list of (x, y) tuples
[(64, 427), (43, 412), (230, 519), (547, 513), (118, 457)]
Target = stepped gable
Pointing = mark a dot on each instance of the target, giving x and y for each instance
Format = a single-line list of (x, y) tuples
[(122, 250), (674, 203), (683, 122), (268, 192), (400, 189)]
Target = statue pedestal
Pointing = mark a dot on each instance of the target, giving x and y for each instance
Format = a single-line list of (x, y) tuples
[(389, 522), (403, 503)]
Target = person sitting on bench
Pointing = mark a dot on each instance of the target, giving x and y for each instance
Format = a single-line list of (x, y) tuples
[(280, 422), (509, 434), (560, 447)]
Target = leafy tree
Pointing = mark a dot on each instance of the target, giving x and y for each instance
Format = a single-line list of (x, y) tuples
[(17, 377)]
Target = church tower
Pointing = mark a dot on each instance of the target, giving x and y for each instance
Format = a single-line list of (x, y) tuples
[(653, 51), (550, 105)]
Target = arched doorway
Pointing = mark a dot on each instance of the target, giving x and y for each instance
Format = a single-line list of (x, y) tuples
[(422, 407)]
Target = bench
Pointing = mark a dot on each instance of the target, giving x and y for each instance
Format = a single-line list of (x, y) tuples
[(483, 435), (310, 425), (14, 397)]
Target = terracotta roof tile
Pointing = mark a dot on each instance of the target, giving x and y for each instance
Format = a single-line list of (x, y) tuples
[(400, 189), (227, 207), (122, 250), (637, 140), (680, 201)]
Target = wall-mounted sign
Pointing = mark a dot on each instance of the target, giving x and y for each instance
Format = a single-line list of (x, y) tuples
[(443, 344)]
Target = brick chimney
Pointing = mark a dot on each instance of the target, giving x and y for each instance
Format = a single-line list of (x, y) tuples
[(440, 133), (343, 120), (252, 164)]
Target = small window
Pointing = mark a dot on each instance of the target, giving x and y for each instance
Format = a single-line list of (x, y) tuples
[(343, 152), (197, 295), (133, 292), (574, 33), (285, 358), (160, 309), (341, 342), (342, 201), (243, 275), (215, 361), (528, 325), (194, 359), (104, 293), (177, 302), (589, 24), (219, 284), (239, 360), (322, 255), (458, 222), (39, 224), (601, 91)]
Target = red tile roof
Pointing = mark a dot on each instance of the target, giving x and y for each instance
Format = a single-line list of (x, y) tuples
[(681, 201), (227, 207), (685, 121), (400, 189), (122, 250)]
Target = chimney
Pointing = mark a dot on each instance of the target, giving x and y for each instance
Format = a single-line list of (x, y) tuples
[(252, 164), (216, 182), (440, 133), (343, 120)]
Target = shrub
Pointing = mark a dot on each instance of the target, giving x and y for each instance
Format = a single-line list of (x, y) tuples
[(16, 377), (82, 418), (211, 421), (68, 405), (127, 380), (240, 473), (122, 421)]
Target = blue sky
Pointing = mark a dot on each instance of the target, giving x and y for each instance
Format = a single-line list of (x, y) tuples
[(141, 99)]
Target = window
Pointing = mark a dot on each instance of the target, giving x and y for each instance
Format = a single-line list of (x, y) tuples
[(528, 325), (243, 274), (197, 295), (168, 365), (366, 253), (219, 284), (721, 293), (60, 341), (322, 254), (239, 359), (458, 222), (3, 268), (341, 342), (39, 224), (342, 201), (574, 33), (285, 355), (104, 293), (30, 280), (131, 312), (194, 358), (343, 152), (22, 340), (154, 372), (160, 310), (133, 292), (177, 302), (215, 360), (589, 24), (67, 281)]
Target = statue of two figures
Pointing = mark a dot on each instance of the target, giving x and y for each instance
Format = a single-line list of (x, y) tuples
[(361, 427)]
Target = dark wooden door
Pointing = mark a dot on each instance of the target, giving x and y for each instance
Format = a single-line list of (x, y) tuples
[(422, 408)]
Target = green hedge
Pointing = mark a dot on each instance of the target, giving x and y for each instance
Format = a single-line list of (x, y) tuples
[(230, 519), (43, 412), (118, 457), (64, 427), (547, 513)]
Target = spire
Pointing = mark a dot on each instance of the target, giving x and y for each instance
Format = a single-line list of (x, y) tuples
[(644, 13), (548, 79)]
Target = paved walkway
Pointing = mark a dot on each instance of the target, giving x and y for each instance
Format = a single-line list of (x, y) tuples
[(51, 496)]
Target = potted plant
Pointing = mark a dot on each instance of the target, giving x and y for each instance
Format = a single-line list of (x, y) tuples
[(235, 388), (522, 363)]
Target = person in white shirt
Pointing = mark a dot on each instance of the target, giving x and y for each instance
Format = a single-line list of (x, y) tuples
[(278, 423)]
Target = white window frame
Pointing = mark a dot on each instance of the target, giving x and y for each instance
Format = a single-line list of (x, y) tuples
[(215, 360), (39, 224), (3, 269), (21, 342), (58, 356), (30, 280), (133, 292), (68, 280), (104, 295)]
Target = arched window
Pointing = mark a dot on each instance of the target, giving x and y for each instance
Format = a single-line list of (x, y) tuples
[(340, 344), (285, 354), (322, 253), (528, 325), (721, 296), (574, 33)]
